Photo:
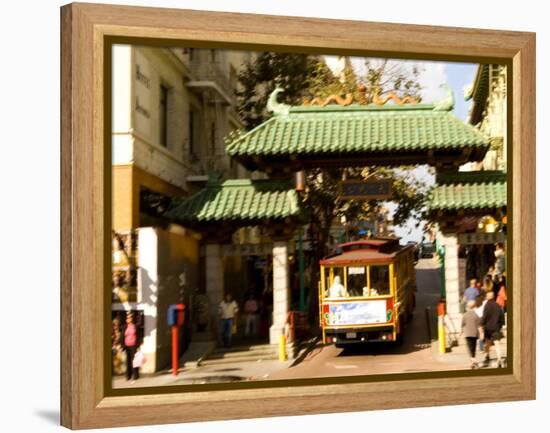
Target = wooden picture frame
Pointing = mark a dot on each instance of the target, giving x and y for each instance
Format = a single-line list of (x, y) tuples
[(87, 32)]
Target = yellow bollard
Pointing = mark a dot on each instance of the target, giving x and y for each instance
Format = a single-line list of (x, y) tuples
[(282, 348), (441, 334)]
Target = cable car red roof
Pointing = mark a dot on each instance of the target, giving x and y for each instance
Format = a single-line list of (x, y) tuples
[(377, 250)]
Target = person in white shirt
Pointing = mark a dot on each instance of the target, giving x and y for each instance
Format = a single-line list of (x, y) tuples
[(479, 312), (227, 311), (337, 290)]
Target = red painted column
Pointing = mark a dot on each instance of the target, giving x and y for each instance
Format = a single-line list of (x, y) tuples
[(175, 350)]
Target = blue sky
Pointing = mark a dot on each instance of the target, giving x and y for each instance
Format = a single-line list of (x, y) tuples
[(460, 75)]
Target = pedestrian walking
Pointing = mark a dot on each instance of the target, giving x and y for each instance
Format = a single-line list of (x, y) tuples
[(137, 362), (227, 311), (492, 322), (471, 331), (471, 293), (488, 285), (491, 272), (501, 297), (251, 311), (479, 312), (500, 258), (130, 344)]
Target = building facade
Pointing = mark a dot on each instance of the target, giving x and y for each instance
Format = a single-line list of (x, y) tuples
[(171, 110), (489, 114), (468, 250)]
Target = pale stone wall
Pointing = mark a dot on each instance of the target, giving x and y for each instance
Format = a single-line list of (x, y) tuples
[(138, 73), (153, 68), (162, 260), (214, 280), (281, 292), (455, 279), (122, 89), (148, 294), (177, 276)]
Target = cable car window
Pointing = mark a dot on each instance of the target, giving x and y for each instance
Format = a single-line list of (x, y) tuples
[(357, 281), (379, 280), (335, 283)]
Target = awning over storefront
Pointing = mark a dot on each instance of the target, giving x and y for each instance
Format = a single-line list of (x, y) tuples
[(475, 191), (358, 134)]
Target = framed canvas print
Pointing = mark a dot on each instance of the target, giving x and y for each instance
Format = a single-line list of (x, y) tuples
[(269, 216)]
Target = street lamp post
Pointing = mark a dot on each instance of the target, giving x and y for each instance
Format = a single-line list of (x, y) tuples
[(300, 182), (301, 267)]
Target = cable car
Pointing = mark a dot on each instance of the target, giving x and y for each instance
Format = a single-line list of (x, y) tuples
[(367, 291)]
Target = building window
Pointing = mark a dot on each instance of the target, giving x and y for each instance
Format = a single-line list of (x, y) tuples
[(192, 127), (213, 56), (213, 138), (163, 116), (233, 77)]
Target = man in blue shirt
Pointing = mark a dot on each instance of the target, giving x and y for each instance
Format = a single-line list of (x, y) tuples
[(472, 292)]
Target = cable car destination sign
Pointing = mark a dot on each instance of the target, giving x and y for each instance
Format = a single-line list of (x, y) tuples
[(365, 189)]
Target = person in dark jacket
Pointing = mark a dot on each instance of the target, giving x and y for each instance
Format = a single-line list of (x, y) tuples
[(492, 322)]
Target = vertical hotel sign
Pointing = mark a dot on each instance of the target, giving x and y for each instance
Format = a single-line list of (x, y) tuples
[(365, 189)]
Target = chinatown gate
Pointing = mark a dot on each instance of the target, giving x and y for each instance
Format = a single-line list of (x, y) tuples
[(347, 134)]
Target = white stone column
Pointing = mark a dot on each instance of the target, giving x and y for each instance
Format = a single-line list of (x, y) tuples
[(454, 279), (148, 292), (281, 292), (214, 280)]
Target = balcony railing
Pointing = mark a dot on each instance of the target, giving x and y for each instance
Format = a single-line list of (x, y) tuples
[(212, 71)]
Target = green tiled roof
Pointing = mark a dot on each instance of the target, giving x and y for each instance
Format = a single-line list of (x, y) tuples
[(480, 92), (355, 129), (469, 190), (479, 176), (240, 200)]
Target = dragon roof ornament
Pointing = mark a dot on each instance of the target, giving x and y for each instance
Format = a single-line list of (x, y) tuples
[(447, 103), (363, 98), (275, 107)]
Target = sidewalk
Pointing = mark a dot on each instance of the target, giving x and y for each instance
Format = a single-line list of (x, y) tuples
[(458, 355), (201, 374)]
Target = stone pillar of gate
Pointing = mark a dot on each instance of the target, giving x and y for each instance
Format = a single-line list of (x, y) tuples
[(281, 290), (214, 281), (454, 281)]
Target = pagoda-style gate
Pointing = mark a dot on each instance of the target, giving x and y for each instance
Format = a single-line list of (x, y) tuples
[(296, 138)]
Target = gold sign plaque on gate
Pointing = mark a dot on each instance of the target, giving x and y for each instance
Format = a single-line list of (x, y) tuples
[(365, 189)]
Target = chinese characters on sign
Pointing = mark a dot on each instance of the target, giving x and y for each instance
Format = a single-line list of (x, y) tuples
[(481, 238), (365, 190)]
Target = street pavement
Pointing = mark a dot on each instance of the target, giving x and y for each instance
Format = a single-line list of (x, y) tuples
[(417, 353)]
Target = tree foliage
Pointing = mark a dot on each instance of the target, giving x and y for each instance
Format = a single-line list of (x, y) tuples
[(260, 77), (304, 76)]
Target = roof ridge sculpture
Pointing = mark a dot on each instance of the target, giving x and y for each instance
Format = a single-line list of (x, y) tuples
[(275, 107), (362, 98), (447, 103)]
